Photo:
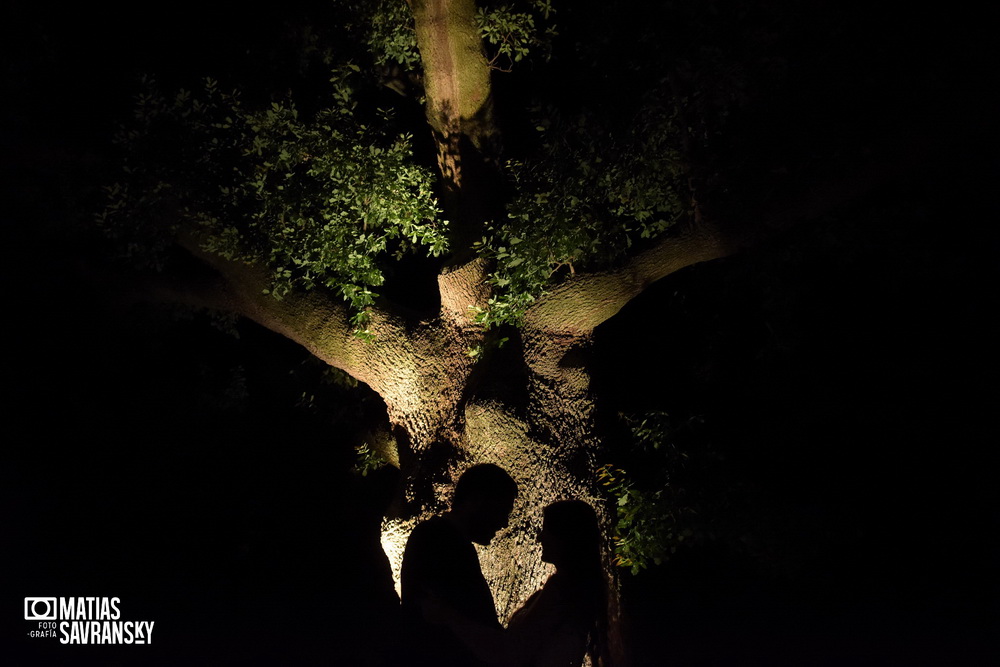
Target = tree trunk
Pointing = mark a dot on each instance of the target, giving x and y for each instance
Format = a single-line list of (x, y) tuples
[(538, 425), (459, 110)]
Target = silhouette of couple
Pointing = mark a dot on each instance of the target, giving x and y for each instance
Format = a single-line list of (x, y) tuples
[(448, 606)]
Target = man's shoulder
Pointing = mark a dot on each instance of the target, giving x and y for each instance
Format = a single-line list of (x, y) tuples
[(435, 529), (436, 555), (435, 538)]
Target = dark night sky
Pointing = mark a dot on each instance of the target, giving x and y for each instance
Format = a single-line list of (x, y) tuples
[(849, 369)]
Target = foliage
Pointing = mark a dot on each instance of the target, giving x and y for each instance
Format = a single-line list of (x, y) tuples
[(635, 157), (326, 199), (320, 201), (367, 460), (512, 34), (670, 501), (391, 37), (583, 203), (647, 530), (328, 385)]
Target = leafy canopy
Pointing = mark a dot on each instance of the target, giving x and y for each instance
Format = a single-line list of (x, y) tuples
[(327, 199), (583, 202), (676, 491), (511, 31), (320, 201)]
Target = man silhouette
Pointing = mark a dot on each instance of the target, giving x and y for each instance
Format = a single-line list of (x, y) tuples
[(441, 564)]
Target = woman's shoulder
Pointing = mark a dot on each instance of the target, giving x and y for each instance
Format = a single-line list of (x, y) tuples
[(558, 589), (571, 587), (572, 620), (557, 601)]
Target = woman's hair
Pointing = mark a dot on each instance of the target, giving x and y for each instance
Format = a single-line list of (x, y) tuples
[(574, 524)]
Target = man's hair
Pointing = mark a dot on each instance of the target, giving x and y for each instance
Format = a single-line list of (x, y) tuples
[(484, 481)]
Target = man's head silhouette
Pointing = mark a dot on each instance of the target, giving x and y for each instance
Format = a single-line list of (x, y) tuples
[(484, 497)]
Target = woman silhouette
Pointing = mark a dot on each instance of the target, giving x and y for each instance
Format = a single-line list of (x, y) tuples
[(564, 620)]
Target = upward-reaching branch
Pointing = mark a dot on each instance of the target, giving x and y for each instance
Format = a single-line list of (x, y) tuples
[(584, 301), (314, 319), (459, 110), (416, 367), (464, 288), (456, 73)]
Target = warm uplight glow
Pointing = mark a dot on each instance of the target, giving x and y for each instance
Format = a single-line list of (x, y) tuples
[(395, 532), (506, 562)]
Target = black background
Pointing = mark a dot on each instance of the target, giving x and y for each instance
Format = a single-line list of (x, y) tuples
[(850, 365)]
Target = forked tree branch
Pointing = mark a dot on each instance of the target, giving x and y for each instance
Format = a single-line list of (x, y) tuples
[(313, 319), (584, 301)]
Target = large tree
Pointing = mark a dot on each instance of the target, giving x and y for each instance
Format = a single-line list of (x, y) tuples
[(541, 219)]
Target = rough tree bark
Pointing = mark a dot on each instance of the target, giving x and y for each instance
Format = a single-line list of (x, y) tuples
[(529, 408)]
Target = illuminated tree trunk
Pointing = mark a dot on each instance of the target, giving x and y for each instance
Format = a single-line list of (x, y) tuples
[(545, 442), (459, 110)]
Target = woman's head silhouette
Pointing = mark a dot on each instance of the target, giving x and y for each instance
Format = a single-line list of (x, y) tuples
[(571, 538)]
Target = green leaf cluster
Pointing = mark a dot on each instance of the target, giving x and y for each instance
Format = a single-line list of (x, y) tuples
[(512, 33), (367, 459), (658, 512), (391, 35), (321, 200), (588, 198), (648, 528)]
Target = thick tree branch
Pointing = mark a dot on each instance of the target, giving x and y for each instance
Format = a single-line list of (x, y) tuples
[(583, 301), (463, 288), (459, 110), (456, 74), (417, 368), (313, 319)]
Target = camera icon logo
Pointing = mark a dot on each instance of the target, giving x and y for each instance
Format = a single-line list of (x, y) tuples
[(40, 609)]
